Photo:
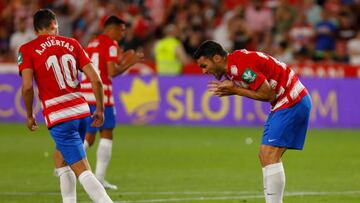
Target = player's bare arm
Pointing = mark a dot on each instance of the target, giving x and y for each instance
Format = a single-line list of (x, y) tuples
[(28, 97), (128, 59), (227, 88), (263, 93), (97, 87)]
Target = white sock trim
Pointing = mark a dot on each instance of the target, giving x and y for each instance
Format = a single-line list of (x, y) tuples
[(273, 169), (84, 175), (62, 170), (106, 142)]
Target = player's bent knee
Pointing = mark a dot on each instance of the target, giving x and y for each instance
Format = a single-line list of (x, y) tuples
[(59, 159), (260, 156), (90, 139), (80, 166), (107, 134), (91, 143), (269, 157)]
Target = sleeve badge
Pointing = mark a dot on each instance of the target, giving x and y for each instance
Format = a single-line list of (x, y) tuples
[(249, 76)]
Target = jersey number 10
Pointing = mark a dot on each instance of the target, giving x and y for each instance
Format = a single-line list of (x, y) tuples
[(66, 67)]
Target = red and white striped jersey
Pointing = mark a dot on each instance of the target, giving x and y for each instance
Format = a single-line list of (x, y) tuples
[(249, 69), (55, 61), (101, 50)]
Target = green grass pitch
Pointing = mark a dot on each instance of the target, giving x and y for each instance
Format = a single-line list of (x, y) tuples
[(186, 165)]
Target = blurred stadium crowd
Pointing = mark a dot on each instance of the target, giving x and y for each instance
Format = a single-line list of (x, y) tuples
[(292, 30)]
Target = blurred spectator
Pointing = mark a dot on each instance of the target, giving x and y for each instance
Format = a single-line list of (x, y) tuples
[(345, 32), (231, 4), (77, 6), (212, 14), (353, 49), (20, 37), (170, 55), (283, 53), (355, 8), (302, 56), (157, 10), (131, 41), (301, 34), (236, 24), (178, 15), (240, 35), (64, 20), (221, 33), (195, 13), (193, 40), (346, 29), (312, 12), (284, 18), (4, 45), (325, 37), (24, 9), (259, 20), (333, 7), (328, 57)]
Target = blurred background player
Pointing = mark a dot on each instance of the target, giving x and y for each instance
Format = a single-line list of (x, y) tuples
[(104, 52), (54, 61), (262, 77)]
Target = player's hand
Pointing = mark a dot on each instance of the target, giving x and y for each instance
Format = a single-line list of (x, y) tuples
[(130, 57), (213, 85), (138, 57), (98, 118), (31, 124), (222, 88)]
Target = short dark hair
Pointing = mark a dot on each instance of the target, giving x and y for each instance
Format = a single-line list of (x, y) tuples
[(209, 49), (113, 20), (43, 19)]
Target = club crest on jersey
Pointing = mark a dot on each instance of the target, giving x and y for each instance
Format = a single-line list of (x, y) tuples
[(234, 70), (20, 59), (248, 76)]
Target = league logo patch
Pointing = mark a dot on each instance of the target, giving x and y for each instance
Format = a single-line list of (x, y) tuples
[(20, 59), (248, 76), (113, 51), (234, 70)]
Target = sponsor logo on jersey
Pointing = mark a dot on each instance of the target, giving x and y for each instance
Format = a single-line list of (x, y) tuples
[(248, 76)]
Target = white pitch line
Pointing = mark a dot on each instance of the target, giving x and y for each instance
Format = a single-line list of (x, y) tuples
[(236, 195), (191, 193), (139, 193), (194, 199), (28, 193), (289, 194)]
